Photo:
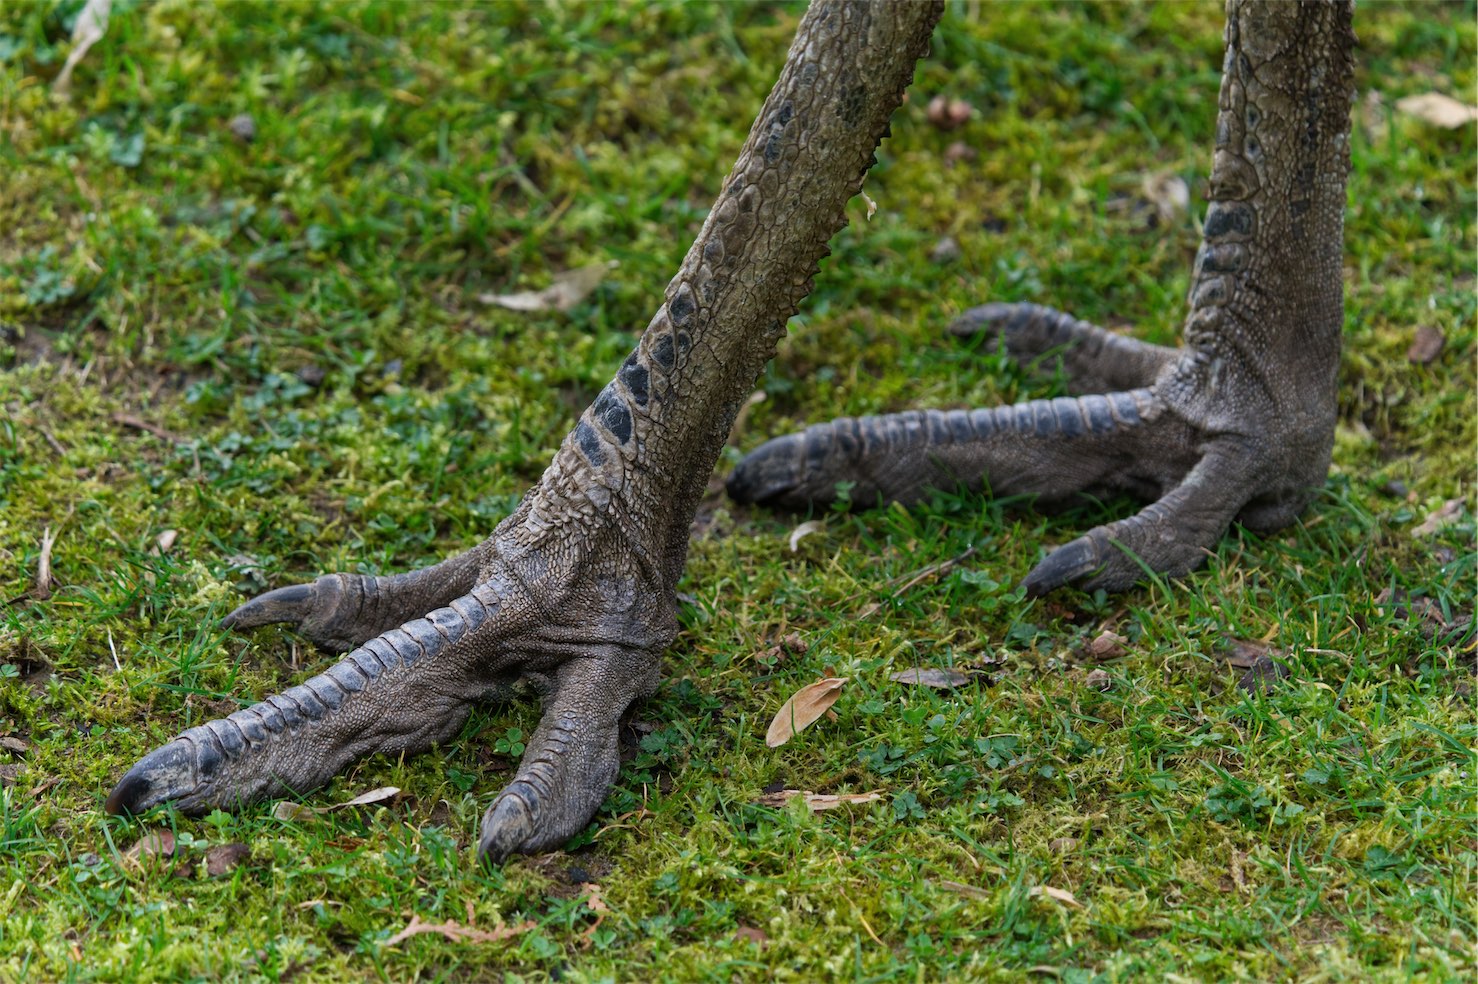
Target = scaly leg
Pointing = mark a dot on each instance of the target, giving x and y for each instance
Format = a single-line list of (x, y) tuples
[(577, 587), (1243, 414)]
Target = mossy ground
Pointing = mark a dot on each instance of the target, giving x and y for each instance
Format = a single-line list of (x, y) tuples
[(296, 318)]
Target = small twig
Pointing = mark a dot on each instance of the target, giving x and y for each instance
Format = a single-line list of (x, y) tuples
[(44, 580), (457, 933), (114, 650), (129, 420), (923, 575), (56, 445)]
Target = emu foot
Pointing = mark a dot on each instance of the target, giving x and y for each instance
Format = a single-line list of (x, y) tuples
[(403, 689), (1145, 439)]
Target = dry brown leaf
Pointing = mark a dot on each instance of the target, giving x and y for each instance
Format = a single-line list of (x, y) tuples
[(1440, 517), (1438, 110), (13, 744), (1244, 653), (1099, 680), (381, 795), (755, 936), (564, 292), (455, 932), (225, 858), (1264, 675), (804, 707), (1108, 645), (939, 679), (1063, 845), (164, 543), (802, 531), (817, 802), (155, 845), (1426, 346), (288, 810), (960, 888), (1056, 894)]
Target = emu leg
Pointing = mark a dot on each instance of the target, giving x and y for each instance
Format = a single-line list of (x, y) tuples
[(1252, 390), (577, 587)]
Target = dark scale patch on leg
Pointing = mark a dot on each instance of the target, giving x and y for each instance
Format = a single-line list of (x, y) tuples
[(662, 352), (611, 411), (589, 442), (1228, 219), (774, 144), (617, 420), (634, 377), (681, 308)]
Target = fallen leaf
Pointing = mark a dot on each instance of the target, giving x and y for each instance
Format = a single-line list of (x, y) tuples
[(225, 858), (1056, 894), (1168, 193), (818, 802), (153, 846), (13, 744), (288, 810), (1244, 653), (939, 679), (1264, 675), (164, 543), (457, 933), (563, 293), (1063, 845), (804, 530), (1108, 645), (755, 936), (804, 707), (1426, 346), (87, 30), (381, 795), (960, 888), (1099, 679), (590, 892), (1444, 515), (1438, 110)]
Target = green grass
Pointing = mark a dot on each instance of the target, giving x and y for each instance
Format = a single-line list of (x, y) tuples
[(298, 319)]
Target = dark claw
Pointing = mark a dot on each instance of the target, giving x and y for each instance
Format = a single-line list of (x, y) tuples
[(178, 771), (1066, 564), (291, 604), (507, 827), (770, 473)]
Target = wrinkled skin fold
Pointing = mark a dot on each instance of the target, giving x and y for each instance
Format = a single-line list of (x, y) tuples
[(575, 592)]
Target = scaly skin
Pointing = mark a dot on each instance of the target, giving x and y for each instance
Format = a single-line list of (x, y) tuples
[(575, 590), (1238, 423)]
